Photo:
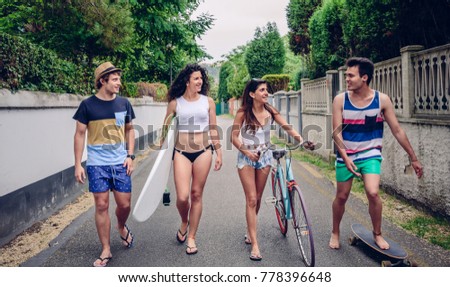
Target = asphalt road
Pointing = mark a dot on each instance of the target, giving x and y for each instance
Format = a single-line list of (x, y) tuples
[(220, 238)]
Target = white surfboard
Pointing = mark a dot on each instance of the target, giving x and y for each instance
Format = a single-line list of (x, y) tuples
[(156, 182)]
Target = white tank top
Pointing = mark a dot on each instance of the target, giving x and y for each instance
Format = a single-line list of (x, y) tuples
[(260, 137), (193, 117)]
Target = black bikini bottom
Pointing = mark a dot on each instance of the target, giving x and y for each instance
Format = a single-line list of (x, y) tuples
[(192, 156)]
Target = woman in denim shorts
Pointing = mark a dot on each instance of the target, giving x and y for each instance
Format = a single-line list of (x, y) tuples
[(251, 135)]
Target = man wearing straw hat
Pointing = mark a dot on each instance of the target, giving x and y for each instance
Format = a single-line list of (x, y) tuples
[(107, 119)]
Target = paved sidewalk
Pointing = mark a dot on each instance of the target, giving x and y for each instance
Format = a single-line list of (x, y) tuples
[(220, 239)]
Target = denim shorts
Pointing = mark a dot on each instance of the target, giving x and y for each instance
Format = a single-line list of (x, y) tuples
[(264, 160), (104, 178)]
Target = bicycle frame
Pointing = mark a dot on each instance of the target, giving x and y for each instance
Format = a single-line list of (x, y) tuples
[(290, 205), (283, 182)]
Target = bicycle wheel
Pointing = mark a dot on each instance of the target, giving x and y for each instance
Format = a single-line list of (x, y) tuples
[(279, 204), (302, 226)]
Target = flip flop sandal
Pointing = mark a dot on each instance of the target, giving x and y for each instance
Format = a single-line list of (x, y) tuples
[(247, 240), (255, 257), (102, 262), (125, 240), (183, 235), (190, 248)]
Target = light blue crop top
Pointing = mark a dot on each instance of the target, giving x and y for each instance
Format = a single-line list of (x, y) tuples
[(193, 117)]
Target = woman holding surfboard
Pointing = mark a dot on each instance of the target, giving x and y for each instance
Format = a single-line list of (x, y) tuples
[(251, 136), (197, 140)]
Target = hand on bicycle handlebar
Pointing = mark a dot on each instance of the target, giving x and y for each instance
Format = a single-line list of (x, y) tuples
[(309, 145)]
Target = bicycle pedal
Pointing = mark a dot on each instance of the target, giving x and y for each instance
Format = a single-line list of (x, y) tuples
[(271, 200)]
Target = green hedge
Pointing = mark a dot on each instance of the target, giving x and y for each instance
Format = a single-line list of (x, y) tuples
[(278, 82), (129, 90), (24, 65)]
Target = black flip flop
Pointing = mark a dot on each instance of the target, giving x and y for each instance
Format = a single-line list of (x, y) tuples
[(101, 260), (255, 257), (129, 244), (190, 248), (182, 235)]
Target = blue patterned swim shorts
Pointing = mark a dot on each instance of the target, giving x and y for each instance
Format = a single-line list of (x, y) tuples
[(104, 178)]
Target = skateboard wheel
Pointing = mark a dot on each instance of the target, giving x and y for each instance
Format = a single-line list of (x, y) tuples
[(352, 241), (412, 263), (386, 263)]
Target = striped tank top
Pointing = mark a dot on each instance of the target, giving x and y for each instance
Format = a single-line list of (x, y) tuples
[(362, 130)]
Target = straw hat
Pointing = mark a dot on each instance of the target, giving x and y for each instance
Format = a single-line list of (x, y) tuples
[(103, 69)]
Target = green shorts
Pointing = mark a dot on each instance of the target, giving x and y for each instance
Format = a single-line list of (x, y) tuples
[(368, 166)]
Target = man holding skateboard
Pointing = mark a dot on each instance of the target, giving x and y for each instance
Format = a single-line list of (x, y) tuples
[(358, 116), (107, 119)]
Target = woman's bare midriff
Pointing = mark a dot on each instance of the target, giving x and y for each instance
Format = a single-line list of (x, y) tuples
[(192, 142)]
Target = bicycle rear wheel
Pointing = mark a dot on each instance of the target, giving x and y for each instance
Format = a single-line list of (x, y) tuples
[(279, 204), (302, 227)]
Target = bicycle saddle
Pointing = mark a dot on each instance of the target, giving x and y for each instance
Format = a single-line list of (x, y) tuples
[(278, 153)]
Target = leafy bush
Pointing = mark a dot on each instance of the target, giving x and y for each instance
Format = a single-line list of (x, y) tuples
[(160, 92), (24, 65), (144, 90), (129, 90), (277, 82), (157, 91)]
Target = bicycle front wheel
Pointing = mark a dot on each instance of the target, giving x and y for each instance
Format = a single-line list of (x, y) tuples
[(302, 226), (279, 204)]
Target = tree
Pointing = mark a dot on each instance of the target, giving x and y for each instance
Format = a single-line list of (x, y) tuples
[(76, 30), (433, 16), (222, 92), (298, 14), (166, 36), (376, 29), (369, 28), (327, 48), (147, 38), (265, 53), (389, 25), (295, 66), (233, 74)]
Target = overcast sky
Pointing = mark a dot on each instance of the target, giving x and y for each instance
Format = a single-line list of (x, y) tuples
[(236, 21)]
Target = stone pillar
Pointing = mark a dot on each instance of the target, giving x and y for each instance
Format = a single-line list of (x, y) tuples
[(288, 119), (342, 85), (408, 79), (332, 89), (299, 112), (302, 89)]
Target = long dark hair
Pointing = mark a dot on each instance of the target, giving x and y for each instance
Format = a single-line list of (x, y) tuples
[(178, 87), (251, 122)]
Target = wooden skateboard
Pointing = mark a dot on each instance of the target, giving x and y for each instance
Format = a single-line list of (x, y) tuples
[(396, 254)]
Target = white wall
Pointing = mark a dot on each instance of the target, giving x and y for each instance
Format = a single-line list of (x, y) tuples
[(36, 134), (430, 143), (34, 145)]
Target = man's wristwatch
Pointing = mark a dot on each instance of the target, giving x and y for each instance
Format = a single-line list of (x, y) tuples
[(132, 156)]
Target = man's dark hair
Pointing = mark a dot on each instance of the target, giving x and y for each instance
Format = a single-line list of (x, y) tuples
[(365, 67), (105, 77)]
